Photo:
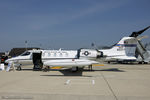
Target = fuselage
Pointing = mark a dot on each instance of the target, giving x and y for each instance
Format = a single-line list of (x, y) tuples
[(27, 58)]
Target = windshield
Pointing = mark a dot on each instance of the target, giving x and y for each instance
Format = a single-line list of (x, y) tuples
[(25, 54)]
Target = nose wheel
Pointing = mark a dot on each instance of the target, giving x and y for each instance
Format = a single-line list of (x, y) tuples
[(19, 68)]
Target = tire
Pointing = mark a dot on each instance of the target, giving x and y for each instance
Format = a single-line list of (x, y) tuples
[(19, 68)]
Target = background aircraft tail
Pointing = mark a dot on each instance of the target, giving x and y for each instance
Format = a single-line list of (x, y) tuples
[(142, 53), (126, 46)]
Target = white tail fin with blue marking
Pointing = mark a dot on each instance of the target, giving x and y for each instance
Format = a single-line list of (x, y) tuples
[(124, 49)]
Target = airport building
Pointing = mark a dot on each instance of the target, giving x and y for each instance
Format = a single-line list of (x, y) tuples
[(2, 53)]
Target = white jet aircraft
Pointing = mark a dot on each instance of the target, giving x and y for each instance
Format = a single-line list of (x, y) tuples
[(125, 49), (65, 58)]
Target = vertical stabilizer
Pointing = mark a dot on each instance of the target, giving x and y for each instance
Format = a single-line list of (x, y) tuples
[(126, 46)]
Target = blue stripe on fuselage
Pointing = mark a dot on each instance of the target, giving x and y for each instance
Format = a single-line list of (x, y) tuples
[(126, 45)]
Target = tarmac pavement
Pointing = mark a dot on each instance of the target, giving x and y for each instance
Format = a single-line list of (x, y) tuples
[(108, 82)]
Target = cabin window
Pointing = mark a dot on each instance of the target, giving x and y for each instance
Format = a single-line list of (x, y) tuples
[(55, 54), (49, 54)]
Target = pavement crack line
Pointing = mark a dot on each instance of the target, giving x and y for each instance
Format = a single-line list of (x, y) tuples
[(109, 86)]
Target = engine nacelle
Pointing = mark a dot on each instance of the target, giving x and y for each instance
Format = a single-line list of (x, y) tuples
[(90, 53)]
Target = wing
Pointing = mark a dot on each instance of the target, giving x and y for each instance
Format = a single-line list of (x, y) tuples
[(70, 62)]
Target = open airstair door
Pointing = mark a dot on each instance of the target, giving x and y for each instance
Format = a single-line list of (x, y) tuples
[(37, 60)]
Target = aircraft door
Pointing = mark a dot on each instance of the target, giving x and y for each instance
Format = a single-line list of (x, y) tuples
[(37, 60)]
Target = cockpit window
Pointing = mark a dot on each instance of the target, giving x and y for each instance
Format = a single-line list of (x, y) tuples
[(25, 54)]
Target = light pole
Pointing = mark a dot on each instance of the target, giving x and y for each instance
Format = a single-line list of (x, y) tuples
[(26, 44)]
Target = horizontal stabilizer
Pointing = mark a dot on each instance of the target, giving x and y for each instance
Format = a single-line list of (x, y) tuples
[(142, 37)]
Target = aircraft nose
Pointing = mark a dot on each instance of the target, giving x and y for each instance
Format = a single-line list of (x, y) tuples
[(6, 61)]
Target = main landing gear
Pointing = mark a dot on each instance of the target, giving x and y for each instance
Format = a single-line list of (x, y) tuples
[(90, 67), (74, 69)]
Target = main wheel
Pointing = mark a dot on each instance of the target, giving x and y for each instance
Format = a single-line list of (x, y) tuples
[(19, 68), (74, 69)]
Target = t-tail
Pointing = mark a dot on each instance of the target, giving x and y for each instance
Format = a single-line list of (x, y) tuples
[(123, 50)]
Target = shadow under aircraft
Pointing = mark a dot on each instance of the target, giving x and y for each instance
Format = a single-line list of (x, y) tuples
[(67, 72)]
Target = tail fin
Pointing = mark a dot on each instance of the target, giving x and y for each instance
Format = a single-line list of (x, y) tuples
[(126, 46)]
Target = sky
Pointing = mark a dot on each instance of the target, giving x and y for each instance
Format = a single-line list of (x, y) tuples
[(70, 24)]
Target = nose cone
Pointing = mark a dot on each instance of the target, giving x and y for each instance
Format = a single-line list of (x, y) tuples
[(7, 61)]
